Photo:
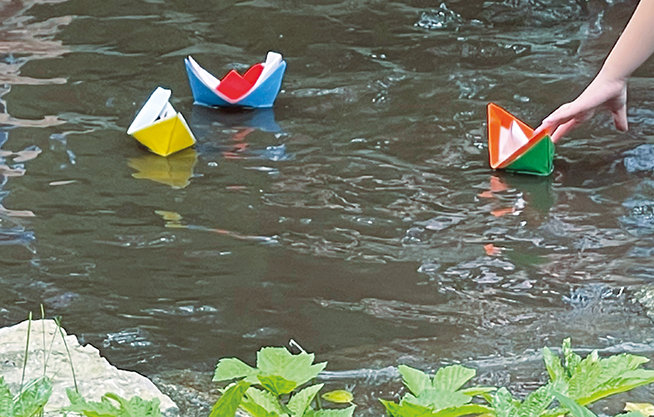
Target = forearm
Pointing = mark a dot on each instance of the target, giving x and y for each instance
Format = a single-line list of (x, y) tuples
[(634, 46)]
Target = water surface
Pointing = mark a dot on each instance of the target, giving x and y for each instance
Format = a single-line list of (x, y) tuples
[(358, 217)]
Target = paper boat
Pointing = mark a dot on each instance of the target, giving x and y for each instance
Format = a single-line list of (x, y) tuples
[(257, 88), (513, 147), (159, 127)]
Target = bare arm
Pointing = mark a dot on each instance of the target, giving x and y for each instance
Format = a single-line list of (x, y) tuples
[(609, 88)]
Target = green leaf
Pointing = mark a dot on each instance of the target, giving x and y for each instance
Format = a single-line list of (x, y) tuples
[(227, 405), (277, 384), (585, 378), (474, 391), (406, 409), (6, 399), (537, 402), (299, 402), (576, 410), (616, 365), (104, 408), (464, 410), (228, 369), (341, 412), (255, 410), (137, 406), (297, 368), (632, 414), (553, 365), (339, 396), (33, 397), (415, 380), (628, 381), (263, 399), (451, 378), (646, 409), (438, 399), (571, 359), (134, 407), (504, 403)]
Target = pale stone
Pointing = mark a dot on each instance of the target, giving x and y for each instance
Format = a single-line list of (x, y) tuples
[(95, 375)]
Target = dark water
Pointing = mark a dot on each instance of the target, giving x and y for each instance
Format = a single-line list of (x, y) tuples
[(355, 217)]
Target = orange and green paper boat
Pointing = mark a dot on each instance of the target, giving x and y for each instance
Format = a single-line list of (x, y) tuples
[(513, 147)]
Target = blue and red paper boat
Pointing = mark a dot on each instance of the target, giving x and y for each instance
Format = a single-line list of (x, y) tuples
[(257, 88)]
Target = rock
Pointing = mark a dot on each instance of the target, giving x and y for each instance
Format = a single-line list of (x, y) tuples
[(440, 19), (640, 159), (193, 391), (95, 375), (645, 297)]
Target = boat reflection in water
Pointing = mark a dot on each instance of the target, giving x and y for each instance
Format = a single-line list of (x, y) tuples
[(218, 131), (229, 132), (175, 170), (519, 192), (204, 118)]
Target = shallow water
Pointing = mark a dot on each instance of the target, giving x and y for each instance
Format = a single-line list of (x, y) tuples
[(358, 216)]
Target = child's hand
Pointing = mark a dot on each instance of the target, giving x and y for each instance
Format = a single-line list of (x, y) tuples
[(609, 93)]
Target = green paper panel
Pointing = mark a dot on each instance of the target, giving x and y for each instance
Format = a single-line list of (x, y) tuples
[(539, 160)]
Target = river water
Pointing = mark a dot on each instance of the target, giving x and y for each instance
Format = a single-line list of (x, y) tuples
[(358, 217)]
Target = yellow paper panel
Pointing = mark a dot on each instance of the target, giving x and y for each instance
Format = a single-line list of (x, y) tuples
[(167, 136), (181, 137)]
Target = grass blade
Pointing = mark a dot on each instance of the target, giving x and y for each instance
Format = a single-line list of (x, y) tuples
[(27, 346), (70, 359)]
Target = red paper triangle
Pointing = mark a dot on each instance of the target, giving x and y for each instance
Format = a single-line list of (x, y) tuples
[(234, 86)]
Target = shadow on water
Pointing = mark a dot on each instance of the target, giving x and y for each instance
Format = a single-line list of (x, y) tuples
[(358, 216)]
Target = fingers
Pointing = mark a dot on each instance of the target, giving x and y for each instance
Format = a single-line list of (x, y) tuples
[(620, 119), (563, 129), (540, 129), (558, 117), (561, 115)]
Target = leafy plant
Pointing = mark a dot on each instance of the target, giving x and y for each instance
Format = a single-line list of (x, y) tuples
[(534, 405), (577, 410), (281, 375), (29, 402), (575, 381), (440, 396), (592, 378), (112, 405)]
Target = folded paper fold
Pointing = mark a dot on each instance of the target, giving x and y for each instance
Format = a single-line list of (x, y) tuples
[(257, 88), (159, 127), (512, 145)]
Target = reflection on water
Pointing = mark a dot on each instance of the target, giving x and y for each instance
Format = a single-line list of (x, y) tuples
[(175, 170), (226, 132), (358, 216)]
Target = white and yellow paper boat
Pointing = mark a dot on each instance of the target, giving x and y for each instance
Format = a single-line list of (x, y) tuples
[(159, 127)]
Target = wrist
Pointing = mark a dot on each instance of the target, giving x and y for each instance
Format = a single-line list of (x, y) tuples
[(608, 75)]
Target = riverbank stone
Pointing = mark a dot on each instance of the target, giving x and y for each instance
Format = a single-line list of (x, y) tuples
[(95, 375)]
